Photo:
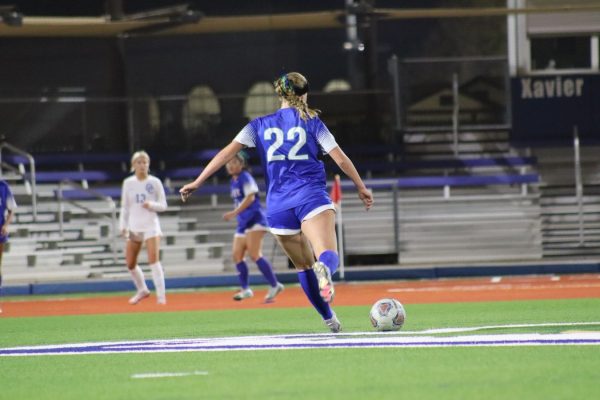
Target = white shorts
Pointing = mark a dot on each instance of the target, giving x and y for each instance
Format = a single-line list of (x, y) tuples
[(143, 235)]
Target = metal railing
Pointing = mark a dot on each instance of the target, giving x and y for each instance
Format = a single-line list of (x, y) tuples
[(111, 205), (578, 185), (31, 179), (419, 108)]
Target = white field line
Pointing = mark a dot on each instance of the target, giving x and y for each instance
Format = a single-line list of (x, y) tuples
[(326, 342), (345, 340), (497, 286), (154, 375)]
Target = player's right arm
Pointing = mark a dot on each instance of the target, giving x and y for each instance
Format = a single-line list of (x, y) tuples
[(9, 215), (124, 217), (249, 199), (218, 161)]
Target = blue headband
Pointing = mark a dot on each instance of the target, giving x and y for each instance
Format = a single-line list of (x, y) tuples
[(288, 86)]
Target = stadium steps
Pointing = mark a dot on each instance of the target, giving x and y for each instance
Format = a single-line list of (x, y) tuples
[(560, 209), (487, 227), (427, 145), (210, 218), (37, 247)]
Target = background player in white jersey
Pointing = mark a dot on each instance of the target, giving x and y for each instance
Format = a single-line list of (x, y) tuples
[(143, 196), (252, 225), (299, 210), (7, 208)]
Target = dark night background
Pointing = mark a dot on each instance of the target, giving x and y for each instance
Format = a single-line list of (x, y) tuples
[(158, 66)]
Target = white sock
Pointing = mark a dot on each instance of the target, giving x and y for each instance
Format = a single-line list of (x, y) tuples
[(138, 278), (158, 277)]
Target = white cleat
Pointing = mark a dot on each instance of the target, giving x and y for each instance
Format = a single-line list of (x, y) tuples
[(243, 294), (273, 292), (161, 300), (139, 296), (333, 324), (325, 282)]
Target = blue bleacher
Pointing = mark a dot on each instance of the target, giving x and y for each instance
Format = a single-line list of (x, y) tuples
[(380, 166), (181, 173), (441, 181), (91, 176), (187, 166)]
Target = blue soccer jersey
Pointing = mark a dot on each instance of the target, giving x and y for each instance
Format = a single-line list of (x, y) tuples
[(241, 187), (289, 147), (7, 202)]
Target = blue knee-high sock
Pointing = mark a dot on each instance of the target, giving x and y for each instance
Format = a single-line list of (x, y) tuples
[(331, 259), (310, 285), (243, 274), (267, 271)]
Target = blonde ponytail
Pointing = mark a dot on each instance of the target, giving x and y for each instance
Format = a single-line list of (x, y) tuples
[(291, 87)]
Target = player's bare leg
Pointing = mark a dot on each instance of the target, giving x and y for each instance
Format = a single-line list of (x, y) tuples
[(254, 241), (158, 275), (320, 232), (132, 250), (299, 251), (238, 252), (297, 248)]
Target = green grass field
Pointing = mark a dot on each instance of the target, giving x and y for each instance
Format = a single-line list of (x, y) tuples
[(527, 372)]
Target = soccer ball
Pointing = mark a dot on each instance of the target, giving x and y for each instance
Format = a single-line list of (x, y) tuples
[(387, 315)]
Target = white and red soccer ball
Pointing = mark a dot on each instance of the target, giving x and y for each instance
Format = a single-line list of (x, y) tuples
[(387, 315)]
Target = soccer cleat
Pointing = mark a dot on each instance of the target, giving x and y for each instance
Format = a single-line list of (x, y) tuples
[(243, 294), (323, 274), (274, 291), (139, 296), (333, 324)]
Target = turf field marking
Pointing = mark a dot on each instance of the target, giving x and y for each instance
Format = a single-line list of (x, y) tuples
[(509, 326), (435, 331), (154, 375), (496, 286), (312, 341)]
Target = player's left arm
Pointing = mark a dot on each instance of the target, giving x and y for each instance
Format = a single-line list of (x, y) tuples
[(346, 165), (160, 204), (328, 144)]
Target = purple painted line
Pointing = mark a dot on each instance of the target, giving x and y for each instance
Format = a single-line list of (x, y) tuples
[(123, 348)]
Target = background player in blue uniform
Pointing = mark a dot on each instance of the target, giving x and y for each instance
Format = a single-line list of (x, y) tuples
[(299, 211), (7, 207), (252, 225)]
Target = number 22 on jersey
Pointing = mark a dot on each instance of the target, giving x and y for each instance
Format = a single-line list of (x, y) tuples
[(296, 134)]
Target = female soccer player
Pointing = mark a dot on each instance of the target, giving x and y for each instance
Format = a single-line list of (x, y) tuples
[(251, 228), (299, 210), (7, 207), (143, 196)]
